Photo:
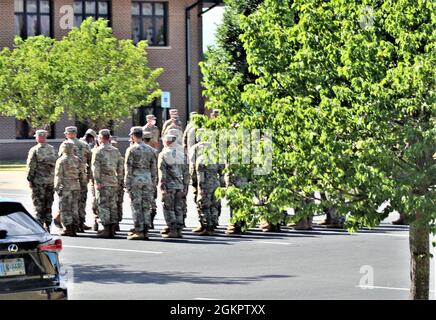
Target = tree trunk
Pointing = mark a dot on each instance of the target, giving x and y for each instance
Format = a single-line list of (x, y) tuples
[(419, 238)]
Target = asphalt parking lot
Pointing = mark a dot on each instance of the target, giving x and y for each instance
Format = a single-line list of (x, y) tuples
[(318, 264)]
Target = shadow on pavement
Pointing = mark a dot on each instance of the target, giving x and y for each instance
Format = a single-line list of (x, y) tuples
[(116, 274)]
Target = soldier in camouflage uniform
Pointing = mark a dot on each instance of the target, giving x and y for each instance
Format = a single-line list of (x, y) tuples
[(209, 178), (175, 124), (151, 127), (120, 199), (238, 181), (194, 153), (90, 138), (174, 181), (41, 162), (140, 177), (70, 178), (176, 132), (174, 113), (107, 169), (148, 136), (189, 134), (83, 151)]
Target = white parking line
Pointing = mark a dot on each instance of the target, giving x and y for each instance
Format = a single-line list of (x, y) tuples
[(383, 234), (274, 242), (112, 249), (386, 288)]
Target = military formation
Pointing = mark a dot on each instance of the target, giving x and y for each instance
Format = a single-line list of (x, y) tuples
[(163, 161), (157, 162)]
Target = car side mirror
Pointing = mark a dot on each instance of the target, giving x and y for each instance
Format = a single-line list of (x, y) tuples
[(3, 234)]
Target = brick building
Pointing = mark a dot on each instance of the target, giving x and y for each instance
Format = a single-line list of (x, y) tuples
[(173, 29)]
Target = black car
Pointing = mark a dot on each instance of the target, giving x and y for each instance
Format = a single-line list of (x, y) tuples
[(29, 262)]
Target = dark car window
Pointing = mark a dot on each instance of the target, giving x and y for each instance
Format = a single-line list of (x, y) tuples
[(19, 224)]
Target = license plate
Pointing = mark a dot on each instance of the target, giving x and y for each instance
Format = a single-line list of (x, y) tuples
[(12, 267)]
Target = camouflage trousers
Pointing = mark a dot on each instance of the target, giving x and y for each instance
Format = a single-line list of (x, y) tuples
[(174, 208), (153, 205), (69, 207), (107, 205), (82, 203), (141, 199), (42, 197), (120, 201), (208, 207), (94, 201)]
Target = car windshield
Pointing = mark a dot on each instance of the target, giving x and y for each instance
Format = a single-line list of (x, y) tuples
[(19, 224)]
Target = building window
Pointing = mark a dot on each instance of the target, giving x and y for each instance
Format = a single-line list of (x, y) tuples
[(96, 9), (32, 18), (150, 22), (23, 130)]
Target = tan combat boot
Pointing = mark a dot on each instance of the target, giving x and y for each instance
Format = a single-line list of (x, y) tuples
[(206, 232), (179, 233), (200, 228), (165, 230), (233, 229), (106, 233), (69, 231), (172, 234), (84, 227), (137, 235)]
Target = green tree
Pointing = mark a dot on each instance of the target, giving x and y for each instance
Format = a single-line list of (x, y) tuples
[(30, 87), (348, 88), (104, 78), (225, 69)]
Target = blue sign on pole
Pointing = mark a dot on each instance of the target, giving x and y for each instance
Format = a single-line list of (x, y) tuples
[(165, 99)]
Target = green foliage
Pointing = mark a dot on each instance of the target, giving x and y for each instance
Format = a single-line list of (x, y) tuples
[(89, 74), (104, 78), (29, 85), (348, 88)]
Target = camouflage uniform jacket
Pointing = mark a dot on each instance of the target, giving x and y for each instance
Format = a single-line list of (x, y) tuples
[(69, 173), (173, 168), (83, 151), (209, 175), (154, 130), (107, 166), (41, 162), (140, 166), (168, 123)]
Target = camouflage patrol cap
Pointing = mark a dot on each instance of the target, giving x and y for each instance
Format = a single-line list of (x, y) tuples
[(70, 129), (170, 138), (91, 132), (135, 131), (150, 117), (41, 133), (174, 132), (147, 135), (174, 111), (105, 133), (67, 146)]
